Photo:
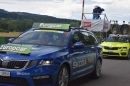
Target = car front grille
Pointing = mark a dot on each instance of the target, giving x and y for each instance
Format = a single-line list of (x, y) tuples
[(14, 80), (109, 53), (123, 53), (111, 48), (13, 64)]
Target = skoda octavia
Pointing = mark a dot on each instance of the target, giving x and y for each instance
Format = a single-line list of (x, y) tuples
[(49, 54)]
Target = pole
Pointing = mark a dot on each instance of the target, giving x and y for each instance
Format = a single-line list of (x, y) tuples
[(82, 10)]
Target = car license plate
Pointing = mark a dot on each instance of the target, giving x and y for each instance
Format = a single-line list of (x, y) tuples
[(110, 51), (4, 73)]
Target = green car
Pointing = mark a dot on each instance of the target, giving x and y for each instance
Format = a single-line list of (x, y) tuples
[(116, 45)]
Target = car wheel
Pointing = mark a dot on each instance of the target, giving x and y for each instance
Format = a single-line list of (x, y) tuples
[(97, 71), (128, 57), (63, 76)]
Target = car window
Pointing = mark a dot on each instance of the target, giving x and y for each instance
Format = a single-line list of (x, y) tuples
[(77, 37), (123, 39), (44, 38), (94, 40), (88, 39), (117, 39), (112, 39)]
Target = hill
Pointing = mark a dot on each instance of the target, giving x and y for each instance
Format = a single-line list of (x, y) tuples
[(35, 17)]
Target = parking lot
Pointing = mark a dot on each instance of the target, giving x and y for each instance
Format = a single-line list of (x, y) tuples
[(115, 72)]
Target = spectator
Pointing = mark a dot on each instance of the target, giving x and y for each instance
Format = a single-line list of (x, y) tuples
[(95, 11), (98, 10)]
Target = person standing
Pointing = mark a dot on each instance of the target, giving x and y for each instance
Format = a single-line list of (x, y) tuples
[(95, 12), (100, 10)]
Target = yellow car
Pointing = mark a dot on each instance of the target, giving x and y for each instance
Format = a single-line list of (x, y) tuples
[(116, 45)]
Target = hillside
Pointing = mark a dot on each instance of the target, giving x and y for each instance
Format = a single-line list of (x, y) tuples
[(35, 17)]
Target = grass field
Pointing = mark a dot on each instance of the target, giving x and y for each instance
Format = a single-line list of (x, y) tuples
[(10, 34)]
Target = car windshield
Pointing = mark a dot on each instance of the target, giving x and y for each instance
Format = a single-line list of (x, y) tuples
[(124, 39), (117, 39), (49, 38)]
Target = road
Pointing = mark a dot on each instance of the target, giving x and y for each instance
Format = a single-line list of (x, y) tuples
[(115, 72)]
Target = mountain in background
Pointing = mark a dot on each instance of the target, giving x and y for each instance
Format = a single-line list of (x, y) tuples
[(35, 17)]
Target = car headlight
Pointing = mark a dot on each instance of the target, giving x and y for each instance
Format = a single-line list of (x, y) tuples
[(100, 46), (45, 62)]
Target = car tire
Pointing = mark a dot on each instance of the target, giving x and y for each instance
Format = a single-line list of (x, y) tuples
[(97, 71), (128, 57), (63, 76)]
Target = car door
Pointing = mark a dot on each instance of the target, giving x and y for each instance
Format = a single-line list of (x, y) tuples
[(78, 57), (90, 50)]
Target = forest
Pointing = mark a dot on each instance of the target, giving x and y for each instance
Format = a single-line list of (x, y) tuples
[(22, 21)]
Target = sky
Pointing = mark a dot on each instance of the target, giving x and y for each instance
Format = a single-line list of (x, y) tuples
[(71, 9)]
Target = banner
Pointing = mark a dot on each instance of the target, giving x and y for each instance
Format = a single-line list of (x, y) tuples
[(96, 25)]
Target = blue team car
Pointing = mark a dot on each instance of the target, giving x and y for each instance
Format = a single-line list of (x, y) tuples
[(49, 54)]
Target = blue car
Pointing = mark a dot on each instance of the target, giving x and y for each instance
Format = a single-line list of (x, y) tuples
[(50, 54)]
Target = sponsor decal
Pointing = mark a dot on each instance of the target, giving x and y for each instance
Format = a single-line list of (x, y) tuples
[(23, 73), (54, 26), (79, 63), (14, 48), (87, 24), (106, 26), (45, 25), (90, 59)]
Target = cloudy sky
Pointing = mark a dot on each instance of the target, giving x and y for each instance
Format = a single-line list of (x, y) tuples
[(70, 9)]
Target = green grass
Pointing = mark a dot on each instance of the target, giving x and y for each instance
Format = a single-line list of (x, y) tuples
[(10, 34)]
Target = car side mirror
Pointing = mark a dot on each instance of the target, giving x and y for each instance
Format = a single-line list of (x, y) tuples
[(11, 40), (78, 45)]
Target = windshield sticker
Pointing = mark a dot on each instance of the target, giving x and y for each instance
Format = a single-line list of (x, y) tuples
[(47, 30), (50, 31), (65, 32), (14, 48)]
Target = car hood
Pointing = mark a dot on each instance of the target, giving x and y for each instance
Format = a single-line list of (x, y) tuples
[(115, 44), (37, 52)]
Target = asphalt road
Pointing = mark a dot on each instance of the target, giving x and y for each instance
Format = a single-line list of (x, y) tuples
[(115, 72)]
